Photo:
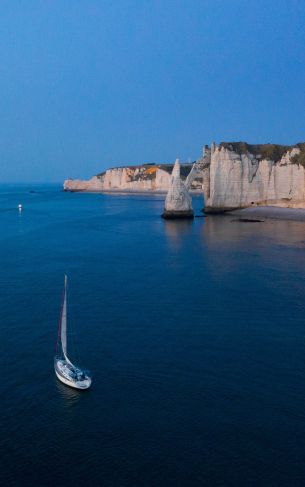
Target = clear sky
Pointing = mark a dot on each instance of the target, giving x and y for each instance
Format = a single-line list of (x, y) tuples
[(90, 84)]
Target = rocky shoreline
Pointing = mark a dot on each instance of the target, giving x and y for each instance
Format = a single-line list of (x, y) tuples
[(270, 212)]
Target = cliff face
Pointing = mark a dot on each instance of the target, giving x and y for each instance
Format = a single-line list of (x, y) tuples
[(93, 184), (138, 178), (148, 177), (270, 175), (231, 175)]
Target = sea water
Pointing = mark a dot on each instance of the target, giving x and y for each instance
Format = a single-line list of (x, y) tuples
[(194, 332)]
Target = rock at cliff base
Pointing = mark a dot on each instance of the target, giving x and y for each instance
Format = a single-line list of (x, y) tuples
[(178, 202)]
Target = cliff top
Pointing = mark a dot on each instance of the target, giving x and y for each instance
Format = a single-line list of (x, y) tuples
[(266, 151), (300, 158), (151, 168)]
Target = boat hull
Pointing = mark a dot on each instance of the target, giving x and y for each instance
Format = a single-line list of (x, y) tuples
[(82, 385)]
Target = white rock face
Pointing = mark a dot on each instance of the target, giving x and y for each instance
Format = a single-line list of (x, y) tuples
[(133, 178), (93, 184), (178, 198), (163, 180), (237, 181), (137, 178)]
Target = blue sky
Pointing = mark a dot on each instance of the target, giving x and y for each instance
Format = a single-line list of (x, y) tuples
[(87, 85)]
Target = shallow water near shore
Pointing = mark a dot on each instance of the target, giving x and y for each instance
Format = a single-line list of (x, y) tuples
[(194, 332)]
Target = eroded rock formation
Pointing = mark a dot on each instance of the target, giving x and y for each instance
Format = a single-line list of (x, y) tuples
[(178, 202)]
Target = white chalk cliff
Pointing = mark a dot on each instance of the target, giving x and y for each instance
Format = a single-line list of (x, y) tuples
[(236, 180), (146, 177), (232, 175)]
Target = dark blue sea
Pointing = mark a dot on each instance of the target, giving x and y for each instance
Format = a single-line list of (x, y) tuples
[(194, 333)]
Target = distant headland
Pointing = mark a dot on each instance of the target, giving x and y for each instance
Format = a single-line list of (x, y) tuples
[(234, 175), (138, 178)]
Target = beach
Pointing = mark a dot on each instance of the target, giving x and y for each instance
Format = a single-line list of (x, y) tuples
[(273, 212)]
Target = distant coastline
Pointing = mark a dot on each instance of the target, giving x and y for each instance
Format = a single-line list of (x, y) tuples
[(145, 178), (128, 191), (234, 175)]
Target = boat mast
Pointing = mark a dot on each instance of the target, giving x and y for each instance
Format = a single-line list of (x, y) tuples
[(62, 326), (60, 318)]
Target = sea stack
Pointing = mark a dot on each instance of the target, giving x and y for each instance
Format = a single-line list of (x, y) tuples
[(178, 203)]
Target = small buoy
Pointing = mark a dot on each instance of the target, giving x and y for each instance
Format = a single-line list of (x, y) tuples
[(19, 207)]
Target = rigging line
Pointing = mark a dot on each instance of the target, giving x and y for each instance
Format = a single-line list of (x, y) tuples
[(60, 319)]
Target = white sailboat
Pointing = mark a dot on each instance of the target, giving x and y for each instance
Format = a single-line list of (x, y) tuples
[(66, 372)]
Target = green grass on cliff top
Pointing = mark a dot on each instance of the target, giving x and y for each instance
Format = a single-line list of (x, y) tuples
[(300, 158), (184, 169), (273, 152)]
